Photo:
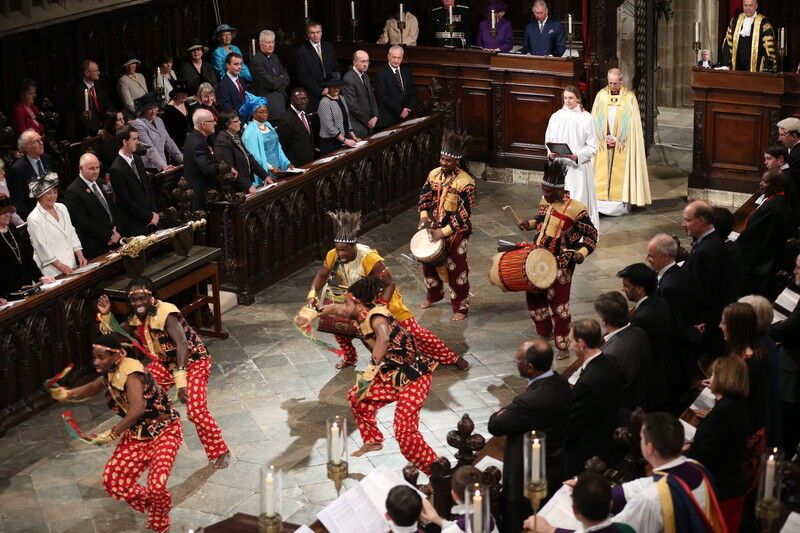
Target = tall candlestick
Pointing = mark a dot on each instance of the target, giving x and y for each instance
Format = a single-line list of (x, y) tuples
[(401, 12), (270, 496), (782, 38), (569, 23), (305, 8), (252, 47), (536, 459), (769, 478), (449, 14), (86, 99), (494, 20), (352, 10), (697, 32), (477, 512), (336, 445)]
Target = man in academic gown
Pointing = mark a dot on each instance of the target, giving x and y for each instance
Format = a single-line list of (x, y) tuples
[(749, 42), (620, 167)]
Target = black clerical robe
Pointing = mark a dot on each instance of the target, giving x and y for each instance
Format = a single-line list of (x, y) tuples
[(755, 52)]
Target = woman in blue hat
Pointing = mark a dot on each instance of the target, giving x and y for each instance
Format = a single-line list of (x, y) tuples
[(260, 139), (225, 34)]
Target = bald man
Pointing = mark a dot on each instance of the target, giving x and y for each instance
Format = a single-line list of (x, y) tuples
[(749, 42), (92, 209), (544, 406), (361, 104)]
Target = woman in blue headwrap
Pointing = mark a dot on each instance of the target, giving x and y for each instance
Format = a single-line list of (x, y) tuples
[(260, 138)]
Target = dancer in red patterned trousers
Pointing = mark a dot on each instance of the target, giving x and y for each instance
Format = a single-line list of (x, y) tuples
[(149, 433), (349, 262), (445, 205), (563, 227), (182, 358), (398, 372)]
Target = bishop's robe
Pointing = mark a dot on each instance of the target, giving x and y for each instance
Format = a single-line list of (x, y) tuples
[(754, 52), (620, 172)]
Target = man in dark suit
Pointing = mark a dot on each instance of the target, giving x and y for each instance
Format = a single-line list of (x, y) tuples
[(394, 90), (595, 399), (270, 78), (543, 406), (316, 62), (295, 131), (708, 265), (789, 136), (652, 314), (544, 36), (357, 91), (628, 347), (199, 167), (33, 163), (93, 212), (231, 88), (135, 204), (90, 101)]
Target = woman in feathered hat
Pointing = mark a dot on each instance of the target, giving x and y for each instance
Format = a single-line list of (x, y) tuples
[(225, 35), (260, 138)]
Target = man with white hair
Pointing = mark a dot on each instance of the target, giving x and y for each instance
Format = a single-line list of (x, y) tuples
[(93, 212), (620, 167), (705, 59), (749, 42), (394, 90), (199, 167), (33, 163), (270, 77), (789, 136), (544, 36)]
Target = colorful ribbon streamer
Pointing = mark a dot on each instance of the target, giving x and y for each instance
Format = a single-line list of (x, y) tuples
[(53, 382), (308, 333), (73, 430)]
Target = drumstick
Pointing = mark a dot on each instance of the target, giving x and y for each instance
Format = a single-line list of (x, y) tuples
[(519, 220)]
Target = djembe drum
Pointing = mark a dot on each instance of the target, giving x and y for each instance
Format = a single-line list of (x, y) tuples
[(338, 325), (433, 253), (526, 268)]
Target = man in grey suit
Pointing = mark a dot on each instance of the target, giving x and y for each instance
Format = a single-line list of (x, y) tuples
[(361, 103), (270, 78)]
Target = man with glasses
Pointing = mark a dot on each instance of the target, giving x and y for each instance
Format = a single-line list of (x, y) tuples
[(270, 78), (33, 163), (199, 167)]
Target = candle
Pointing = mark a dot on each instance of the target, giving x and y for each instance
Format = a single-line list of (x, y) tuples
[(401, 12), (252, 47), (494, 20), (449, 14), (697, 32), (352, 10), (569, 23), (305, 8), (782, 38), (477, 512), (86, 99), (769, 478), (336, 444), (155, 79), (269, 507), (536, 460)]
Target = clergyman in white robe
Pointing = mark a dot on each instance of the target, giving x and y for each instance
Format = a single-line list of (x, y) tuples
[(575, 128)]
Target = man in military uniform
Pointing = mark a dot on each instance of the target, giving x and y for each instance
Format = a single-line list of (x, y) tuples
[(440, 33), (750, 41)]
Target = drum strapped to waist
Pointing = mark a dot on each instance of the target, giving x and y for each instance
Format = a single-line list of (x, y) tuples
[(527, 268), (433, 253), (338, 325)]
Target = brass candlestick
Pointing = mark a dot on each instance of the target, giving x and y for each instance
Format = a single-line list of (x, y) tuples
[(338, 473), (354, 24), (570, 41), (536, 491), (768, 511), (696, 46), (493, 32), (270, 524), (451, 28)]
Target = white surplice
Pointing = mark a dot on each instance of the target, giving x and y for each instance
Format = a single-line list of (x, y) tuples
[(53, 239), (576, 129)]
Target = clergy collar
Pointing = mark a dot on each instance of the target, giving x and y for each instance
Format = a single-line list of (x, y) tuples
[(664, 270), (612, 333)]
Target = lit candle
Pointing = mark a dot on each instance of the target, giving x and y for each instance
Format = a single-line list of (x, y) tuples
[(494, 20), (270, 496), (155, 80), (86, 99), (352, 10), (252, 47), (536, 459), (569, 23), (477, 512), (769, 478), (782, 38), (305, 8), (697, 32), (336, 444), (449, 14), (401, 12)]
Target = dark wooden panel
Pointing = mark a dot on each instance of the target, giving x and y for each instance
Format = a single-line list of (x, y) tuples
[(736, 138)]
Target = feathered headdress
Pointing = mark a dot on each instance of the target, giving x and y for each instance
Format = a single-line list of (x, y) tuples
[(454, 143), (554, 174), (346, 225)]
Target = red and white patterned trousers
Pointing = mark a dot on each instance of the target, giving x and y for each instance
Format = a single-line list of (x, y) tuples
[(550, 309), (406, 417), (130, 459), (197, 407), (455, 272), (430, 344)]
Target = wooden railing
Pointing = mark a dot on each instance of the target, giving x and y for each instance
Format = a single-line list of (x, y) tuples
[(267, 236)]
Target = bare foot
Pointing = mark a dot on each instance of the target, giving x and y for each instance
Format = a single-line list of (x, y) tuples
[(425, 304), (369, 447), (223, 460), (343, 364), (458, 316), (461, 363)]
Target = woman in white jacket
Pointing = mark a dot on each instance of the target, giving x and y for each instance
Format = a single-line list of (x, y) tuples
[(573, 126), (56, 247)]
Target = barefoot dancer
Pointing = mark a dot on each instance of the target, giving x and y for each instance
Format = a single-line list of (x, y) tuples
[(182, 358), (149, 433), (398, 372), (349, 262)]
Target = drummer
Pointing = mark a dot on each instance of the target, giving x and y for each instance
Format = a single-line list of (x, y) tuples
[(349, 262), (445, 205), (564, 227)]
